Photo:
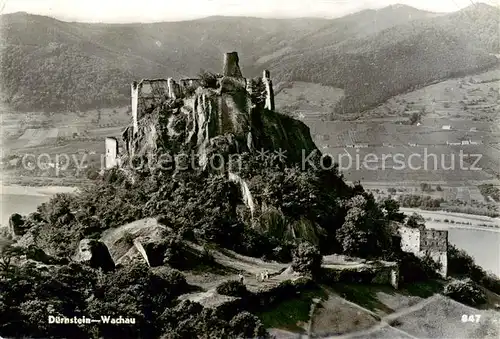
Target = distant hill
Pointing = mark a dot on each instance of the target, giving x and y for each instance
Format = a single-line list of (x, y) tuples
[(53, 65)]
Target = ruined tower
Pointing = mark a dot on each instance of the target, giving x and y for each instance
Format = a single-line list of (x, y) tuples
[(266, 78), (111, 152), (135, 101), (231, 66)]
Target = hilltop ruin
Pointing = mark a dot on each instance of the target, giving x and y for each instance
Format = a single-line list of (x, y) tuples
[(198, 114)]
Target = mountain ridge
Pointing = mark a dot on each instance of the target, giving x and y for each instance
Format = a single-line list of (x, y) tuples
[(110, 56)]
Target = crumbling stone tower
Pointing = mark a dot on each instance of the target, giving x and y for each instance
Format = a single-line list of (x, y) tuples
[(269, 102), (231, 66)]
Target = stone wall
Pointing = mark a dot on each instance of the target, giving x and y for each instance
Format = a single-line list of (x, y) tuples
[(231, 66), (190, 82), (426, 242), (410, 240), (434, 240), (147, 94), (435, 244), (150, 92), (386, 274)]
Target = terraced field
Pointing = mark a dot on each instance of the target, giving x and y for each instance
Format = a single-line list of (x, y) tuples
[(78, 137)]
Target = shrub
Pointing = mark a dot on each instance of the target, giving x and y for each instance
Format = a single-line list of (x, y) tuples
[(460, 264), (414, 118), (491, 282), (307, 259), (414, 269), (246, 325), (208, 79), (465, 291), (232, 288), (415, 221), (190, 320), (425, 187)]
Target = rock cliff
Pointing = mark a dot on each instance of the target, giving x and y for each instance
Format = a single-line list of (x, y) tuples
[(199, 120)]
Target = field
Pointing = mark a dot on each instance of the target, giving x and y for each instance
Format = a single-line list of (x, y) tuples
[(455, 143), (303, 99), (76, 138), (378, 146)]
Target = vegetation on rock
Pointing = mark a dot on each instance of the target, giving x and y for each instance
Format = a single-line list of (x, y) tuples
[(307, 259)]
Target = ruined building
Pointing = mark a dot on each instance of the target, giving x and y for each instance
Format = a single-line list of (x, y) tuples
[(422, 242), (199, 114)]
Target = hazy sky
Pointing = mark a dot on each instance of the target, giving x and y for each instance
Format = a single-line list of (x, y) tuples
[(168, 10)]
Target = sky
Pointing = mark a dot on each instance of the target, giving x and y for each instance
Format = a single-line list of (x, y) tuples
[(116, 11)]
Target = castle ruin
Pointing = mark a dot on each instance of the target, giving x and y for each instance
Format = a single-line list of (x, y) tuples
[(426, 242), (148, 94)]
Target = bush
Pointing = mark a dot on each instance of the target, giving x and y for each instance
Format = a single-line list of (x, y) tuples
[(466, 292), (190, 320), (491, 282), (208, 79), (414, 269), (460, 264), (307, 259), (232, 288)]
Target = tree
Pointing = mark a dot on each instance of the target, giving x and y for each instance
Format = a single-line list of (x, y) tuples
[(425, 187), (365, 232), (208, 79), (246, 325), (415, 221), (392, 209), (306, 258), (465, 291), (414, 118)]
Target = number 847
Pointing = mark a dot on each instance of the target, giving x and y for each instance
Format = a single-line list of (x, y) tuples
[(471, 318)]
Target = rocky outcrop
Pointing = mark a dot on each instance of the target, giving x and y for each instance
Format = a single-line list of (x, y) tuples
[(218, 123), (235, 114), (95, 254)]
